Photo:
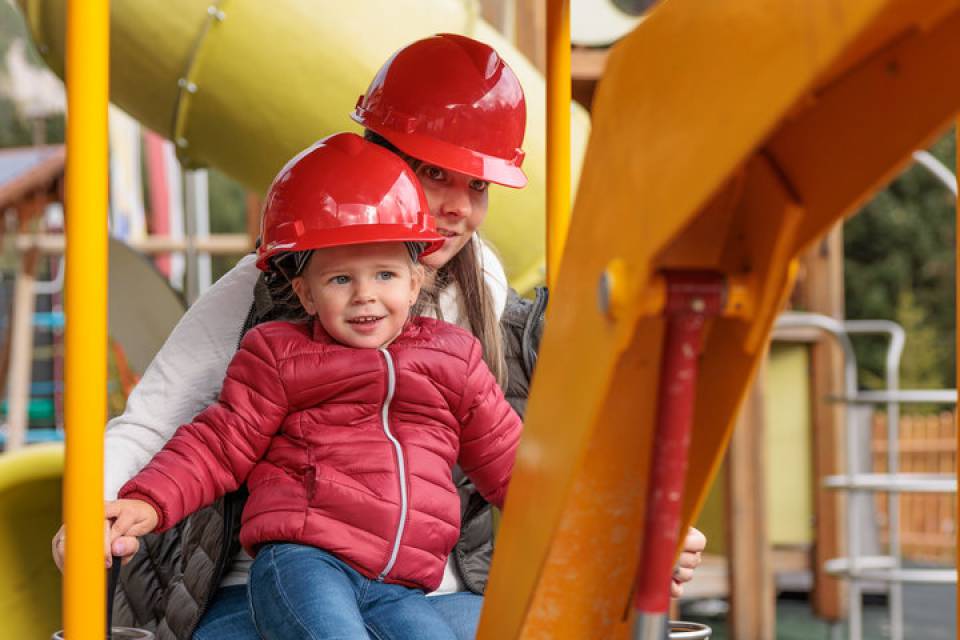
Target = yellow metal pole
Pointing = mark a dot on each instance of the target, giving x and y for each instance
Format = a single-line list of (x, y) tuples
[(558, 133), (88, 29), (957, 363)]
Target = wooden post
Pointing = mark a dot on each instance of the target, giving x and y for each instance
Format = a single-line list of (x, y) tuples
[(21, 351), (821, 291), (957, 413), (254, 205), (19, 347), (752, 593), (531, 21)]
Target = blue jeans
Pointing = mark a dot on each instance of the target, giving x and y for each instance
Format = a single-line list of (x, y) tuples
[(303, 592), (228, 617)]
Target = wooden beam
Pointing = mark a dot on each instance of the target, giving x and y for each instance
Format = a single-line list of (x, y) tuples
[(254, 204), (822, 292), (587, 64), (531, 21), (586, 67), (214, 244), (752, 592), (496, 13), (21, 352)]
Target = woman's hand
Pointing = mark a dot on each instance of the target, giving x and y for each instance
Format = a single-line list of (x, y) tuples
[(690, 558), (116, 543), (131, 519), (58, 544)]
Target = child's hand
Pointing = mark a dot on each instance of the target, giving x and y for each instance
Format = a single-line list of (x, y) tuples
[(131, 518), (693, 545)]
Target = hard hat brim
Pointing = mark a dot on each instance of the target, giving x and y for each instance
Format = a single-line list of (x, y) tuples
[(347, 236), (450, 156)]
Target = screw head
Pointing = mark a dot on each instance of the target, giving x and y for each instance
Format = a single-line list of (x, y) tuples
[(604, 285)]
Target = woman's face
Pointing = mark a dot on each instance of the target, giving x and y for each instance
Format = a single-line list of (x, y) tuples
[(458, 202)]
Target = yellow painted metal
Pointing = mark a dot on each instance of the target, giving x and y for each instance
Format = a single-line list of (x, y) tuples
[(30, 495), (558, 133), (728, 137), (957, 303), (262, 80), (87, 79)]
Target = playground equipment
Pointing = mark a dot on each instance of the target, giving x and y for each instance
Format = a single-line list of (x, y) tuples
[(859, 565), (29, 515), (808, 113), (243, 86), (708, 171)]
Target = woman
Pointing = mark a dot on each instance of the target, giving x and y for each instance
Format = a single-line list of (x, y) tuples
[(456, 112)]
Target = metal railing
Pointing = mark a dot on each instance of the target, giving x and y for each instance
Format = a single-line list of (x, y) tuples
[(857, 567)]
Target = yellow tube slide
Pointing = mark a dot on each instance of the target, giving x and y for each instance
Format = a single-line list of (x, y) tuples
[(30, 499), (242, 85)]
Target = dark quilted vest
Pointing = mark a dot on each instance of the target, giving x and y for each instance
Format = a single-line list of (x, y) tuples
[(167, 586)]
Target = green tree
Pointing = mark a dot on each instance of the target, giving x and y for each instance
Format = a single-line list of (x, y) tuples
[(899, 265)]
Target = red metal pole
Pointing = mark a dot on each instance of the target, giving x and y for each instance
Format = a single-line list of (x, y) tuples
[(692, 298)]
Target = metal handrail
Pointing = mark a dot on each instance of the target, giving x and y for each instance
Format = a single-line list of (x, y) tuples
[(901, 396), (899, 482), (883, 569), (840, 331)]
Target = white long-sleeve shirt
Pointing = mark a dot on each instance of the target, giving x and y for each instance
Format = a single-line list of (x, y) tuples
[(186, 375)]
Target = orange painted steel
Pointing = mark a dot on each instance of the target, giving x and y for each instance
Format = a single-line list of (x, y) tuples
[(558, 133), (85, 399), (726, 137)]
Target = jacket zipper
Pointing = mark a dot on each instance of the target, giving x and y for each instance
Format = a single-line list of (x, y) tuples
[(401, 465)]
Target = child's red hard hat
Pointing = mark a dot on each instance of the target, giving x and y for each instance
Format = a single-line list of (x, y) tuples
[(344, 190)]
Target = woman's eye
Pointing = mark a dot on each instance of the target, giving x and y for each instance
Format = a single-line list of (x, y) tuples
[(432, 172), (479, 185), (340, 279)]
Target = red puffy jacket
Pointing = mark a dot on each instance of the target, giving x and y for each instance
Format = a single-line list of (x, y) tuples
[(345, 449)]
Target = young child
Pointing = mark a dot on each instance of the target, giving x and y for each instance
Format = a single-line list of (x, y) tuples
[(345, 428)]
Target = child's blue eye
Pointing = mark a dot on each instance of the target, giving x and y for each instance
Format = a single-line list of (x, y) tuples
[(340, 279), (386, 275)]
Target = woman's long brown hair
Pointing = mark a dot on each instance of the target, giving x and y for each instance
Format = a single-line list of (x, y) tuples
[(475, 304)]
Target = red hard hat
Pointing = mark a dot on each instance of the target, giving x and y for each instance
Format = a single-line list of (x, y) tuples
[(450, 101), (344, 190)]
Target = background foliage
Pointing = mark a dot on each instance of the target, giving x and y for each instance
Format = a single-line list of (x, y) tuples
[(899, 265)]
